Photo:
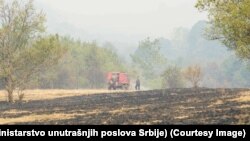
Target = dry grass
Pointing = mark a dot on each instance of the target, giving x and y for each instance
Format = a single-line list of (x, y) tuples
[(245, 97), (38, 94), (244, 106), (40, 118), (36, 118), (14, 112), (123, 110), (44, 107), (181, 117), (216, 103), (47, 94)]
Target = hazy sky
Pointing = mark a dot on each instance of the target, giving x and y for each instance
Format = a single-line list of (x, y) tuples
[(126, 18)]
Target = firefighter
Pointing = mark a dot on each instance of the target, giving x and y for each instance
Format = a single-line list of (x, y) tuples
[(111, 84), (113, 81), (137, 84)]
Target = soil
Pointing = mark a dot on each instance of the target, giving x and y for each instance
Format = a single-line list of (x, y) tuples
[(171, 106)]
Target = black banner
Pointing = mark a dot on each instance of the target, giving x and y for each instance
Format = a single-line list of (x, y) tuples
[(107, 132)]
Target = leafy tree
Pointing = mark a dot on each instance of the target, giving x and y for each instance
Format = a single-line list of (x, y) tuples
[(23, 52), (149, 58), (229, 23), (93, 70)]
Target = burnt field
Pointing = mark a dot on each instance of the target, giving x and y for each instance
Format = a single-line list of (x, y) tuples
[(173, 106)]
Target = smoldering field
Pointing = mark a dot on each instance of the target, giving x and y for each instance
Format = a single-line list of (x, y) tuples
[(169, 106)]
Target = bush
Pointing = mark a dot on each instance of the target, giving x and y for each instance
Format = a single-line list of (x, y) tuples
[(194, 75), (172, 78)]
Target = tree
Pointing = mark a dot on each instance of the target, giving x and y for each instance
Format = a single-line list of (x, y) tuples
[(194, 75), (149, 57), (94, 72), (172, 78), (49, 50), (229, 23), (23, 51), (84, 65), (149, 62)]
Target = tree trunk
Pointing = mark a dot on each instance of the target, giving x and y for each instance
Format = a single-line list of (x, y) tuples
[(10, 96), (10, 88)]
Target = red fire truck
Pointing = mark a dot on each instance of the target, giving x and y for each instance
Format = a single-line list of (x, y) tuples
[(118, 80)]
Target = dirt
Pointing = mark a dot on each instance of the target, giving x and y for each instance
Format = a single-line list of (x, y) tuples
[(172, 106)]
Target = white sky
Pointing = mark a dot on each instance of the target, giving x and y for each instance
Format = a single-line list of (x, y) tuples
[(154, 18)]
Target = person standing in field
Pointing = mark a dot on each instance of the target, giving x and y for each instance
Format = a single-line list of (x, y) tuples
[(137, 84)]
